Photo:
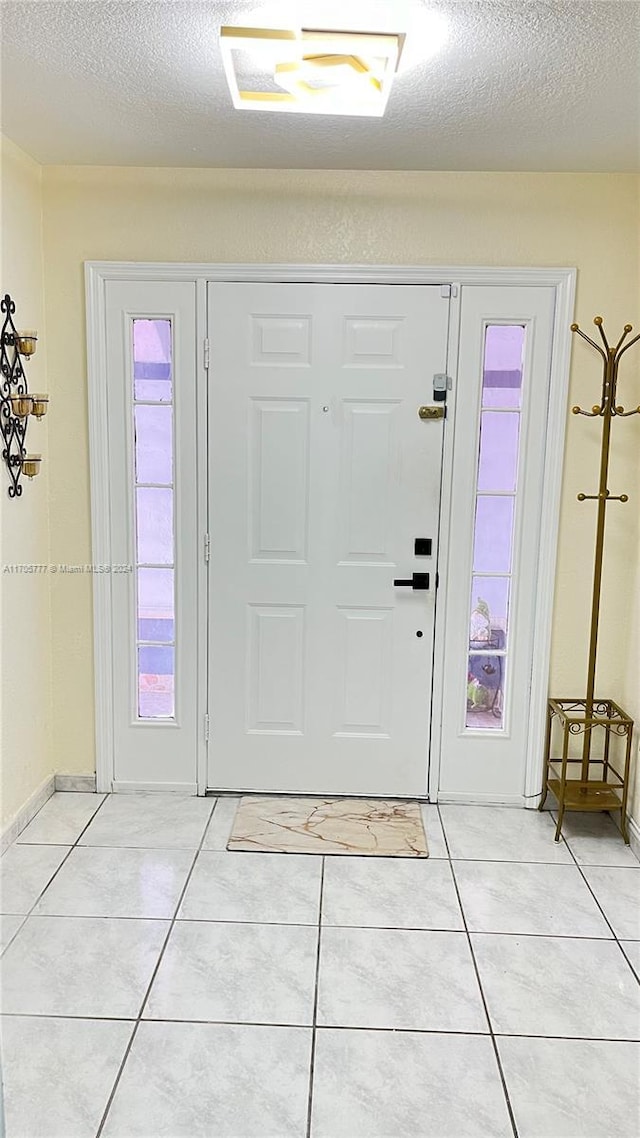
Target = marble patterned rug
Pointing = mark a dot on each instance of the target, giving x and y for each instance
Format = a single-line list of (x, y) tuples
[(362, 826)]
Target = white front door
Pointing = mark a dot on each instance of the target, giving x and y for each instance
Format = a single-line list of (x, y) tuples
[(322, 479)]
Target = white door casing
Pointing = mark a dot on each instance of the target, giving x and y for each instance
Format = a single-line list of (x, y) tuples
[(322, 476), (172, 767)]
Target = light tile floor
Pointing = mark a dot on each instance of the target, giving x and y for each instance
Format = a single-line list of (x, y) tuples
[(154, 984)]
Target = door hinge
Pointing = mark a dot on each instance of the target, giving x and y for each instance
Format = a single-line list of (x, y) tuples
[(206, 353), (207, 548), (206, 728)]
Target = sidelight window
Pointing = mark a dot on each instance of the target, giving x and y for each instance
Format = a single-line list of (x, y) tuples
[(154, 513), (495, 516)]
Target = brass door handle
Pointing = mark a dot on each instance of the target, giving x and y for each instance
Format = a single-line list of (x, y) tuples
[(432, 412)]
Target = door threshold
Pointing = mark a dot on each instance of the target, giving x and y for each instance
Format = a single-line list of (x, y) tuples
[(210, 793)]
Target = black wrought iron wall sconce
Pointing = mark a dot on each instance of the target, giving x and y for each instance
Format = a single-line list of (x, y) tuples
[(16, 402)]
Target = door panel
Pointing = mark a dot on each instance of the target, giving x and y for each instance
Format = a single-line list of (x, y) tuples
[(363, 678), (275, 657), (321, 478), (279, 461), (368, 471)]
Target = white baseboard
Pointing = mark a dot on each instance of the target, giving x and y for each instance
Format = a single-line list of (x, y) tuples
[(453, 796), (26, 813), (82, 783), (190, 788)]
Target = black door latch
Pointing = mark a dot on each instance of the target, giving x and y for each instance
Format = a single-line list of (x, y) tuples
[(416, 581)]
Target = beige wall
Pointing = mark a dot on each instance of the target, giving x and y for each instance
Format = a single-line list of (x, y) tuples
[(25, 656), (632, 694), (590, 221)]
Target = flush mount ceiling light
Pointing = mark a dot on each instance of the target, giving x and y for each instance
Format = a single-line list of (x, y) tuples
[(308, 71)]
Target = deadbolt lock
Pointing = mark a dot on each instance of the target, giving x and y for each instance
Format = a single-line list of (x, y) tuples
[(431, 412)]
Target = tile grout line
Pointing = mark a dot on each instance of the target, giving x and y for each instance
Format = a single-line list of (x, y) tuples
[(208, 825), (103, 846), (49, 845), (104, 796), (553, 814), (334, 1027), (481, 990), (634, 968), (362, 857), (308, 924), (315, 1005), (593, 894), (138, 1019)]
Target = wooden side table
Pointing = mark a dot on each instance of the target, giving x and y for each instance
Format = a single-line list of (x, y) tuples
[(609, 791)]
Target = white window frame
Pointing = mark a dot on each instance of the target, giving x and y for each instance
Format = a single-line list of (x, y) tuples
[(563, 280)]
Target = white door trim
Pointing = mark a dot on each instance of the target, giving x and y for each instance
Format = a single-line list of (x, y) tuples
[(563, 280)]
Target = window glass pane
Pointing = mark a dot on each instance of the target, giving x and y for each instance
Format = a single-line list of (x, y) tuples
[(485, 692), (489, 613), (153, 454), (154, 444), (493, 535), (498, 465), (152, 359), (156, 681), (498, 447), (502, 373), (154, 515), (156, 605)]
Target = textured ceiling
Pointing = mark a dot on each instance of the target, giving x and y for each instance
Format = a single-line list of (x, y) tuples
[(521, 85)]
